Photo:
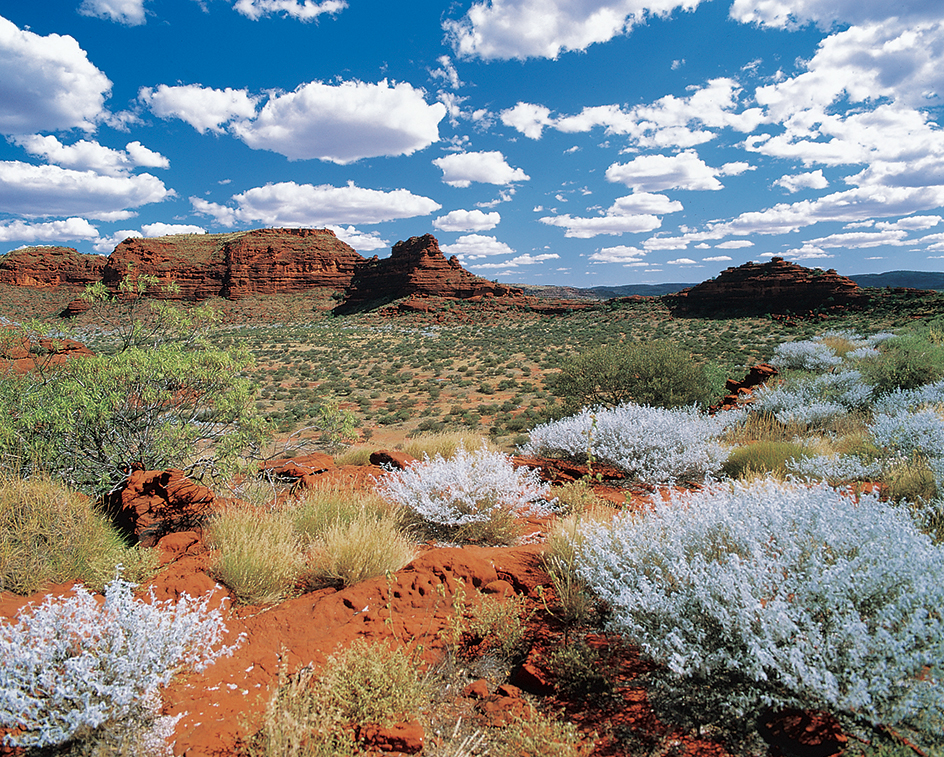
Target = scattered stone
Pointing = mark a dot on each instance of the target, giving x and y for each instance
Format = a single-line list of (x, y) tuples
[(392, 459), (406, 738)]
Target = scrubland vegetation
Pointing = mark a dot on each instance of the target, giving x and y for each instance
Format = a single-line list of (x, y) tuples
[(804, 568)]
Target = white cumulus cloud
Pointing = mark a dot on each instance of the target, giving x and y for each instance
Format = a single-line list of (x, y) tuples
[(518, 261), (306, 10), (474, 246), (467, 220), (635, 213), (204, 108), (128, 12), (52, 231), (363, 241), (87, 155), (790, 14), (528, 118), (345, 122), (811, 180), (617, 254), (651, 173), (47, 83), (53, 191), (502, 29), (291, 204), (461, 169)]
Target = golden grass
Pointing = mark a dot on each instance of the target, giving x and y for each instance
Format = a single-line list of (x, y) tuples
[(310, 715), (258, 554), (761, 458), (349, 552), (446, 444), (49, 533)]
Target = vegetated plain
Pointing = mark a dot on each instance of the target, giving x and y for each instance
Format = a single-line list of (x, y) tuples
[(470, 369), (490, 374)]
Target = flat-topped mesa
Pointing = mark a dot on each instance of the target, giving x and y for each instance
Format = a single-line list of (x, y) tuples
[(774, 287), (418, 267), (50, 267), (240, 264)]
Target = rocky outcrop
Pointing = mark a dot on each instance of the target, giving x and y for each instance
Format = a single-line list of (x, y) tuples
[(418, 267), (774, 287), (50, 267), (262, 261), (21, 355), (153, 504)]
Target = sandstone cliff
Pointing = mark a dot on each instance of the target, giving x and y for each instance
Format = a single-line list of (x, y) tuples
[(50, 267), (418, 267), (774, 287), (262, 261)]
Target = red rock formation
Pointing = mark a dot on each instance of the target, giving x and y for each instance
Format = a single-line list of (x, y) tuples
[(263, 261), (774, 287), (740, 392), (418, 267), (155, 503), (23, 355), (49, 267)]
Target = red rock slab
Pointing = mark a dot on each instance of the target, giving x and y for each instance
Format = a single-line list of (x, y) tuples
[(392, 459), (297, 467)]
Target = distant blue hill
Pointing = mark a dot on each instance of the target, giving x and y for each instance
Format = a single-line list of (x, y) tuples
[(909, 279)]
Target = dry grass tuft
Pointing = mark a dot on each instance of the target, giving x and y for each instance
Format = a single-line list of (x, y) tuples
[(49, 533), (445, 445), (258, 554)]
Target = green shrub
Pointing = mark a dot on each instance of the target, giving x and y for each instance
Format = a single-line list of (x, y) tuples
[(166, 406), (761, 458), (656, 373), (906, 362), (51, 534), (579, 670)]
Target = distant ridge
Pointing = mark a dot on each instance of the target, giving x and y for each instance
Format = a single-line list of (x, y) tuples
[(908, 279)]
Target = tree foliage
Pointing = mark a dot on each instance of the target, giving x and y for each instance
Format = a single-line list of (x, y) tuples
[(656, 373), (168, 400)]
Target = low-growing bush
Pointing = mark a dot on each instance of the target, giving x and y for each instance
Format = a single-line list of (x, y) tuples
[(906, 362), (796, 594), (656, 372), (51, 534), (347, 553), (539, 735), (653, 444), (836, 469), (806, 355), (316, 714), (814, 400), (471, 497), (446, 445), (75, 669), (761, 458), (579, 670)]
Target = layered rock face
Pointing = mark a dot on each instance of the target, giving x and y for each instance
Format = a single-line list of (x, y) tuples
[(263, 261), (49, 267), (774, 287), (418, 267)]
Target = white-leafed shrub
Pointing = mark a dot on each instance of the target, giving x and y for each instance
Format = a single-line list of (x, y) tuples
[(72, 667), (652, 444), (816, 399), (467, 489), (909, 400), (807, 355), (904, 433), (798, 594), (835, 468)]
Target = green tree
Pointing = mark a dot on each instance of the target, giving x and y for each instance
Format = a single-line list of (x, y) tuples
[(166, 398), (656, 373)]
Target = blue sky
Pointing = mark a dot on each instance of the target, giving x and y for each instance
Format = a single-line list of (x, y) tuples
[(577, 142)]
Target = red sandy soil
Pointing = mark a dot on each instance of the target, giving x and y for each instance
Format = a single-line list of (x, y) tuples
[(225, 704)]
